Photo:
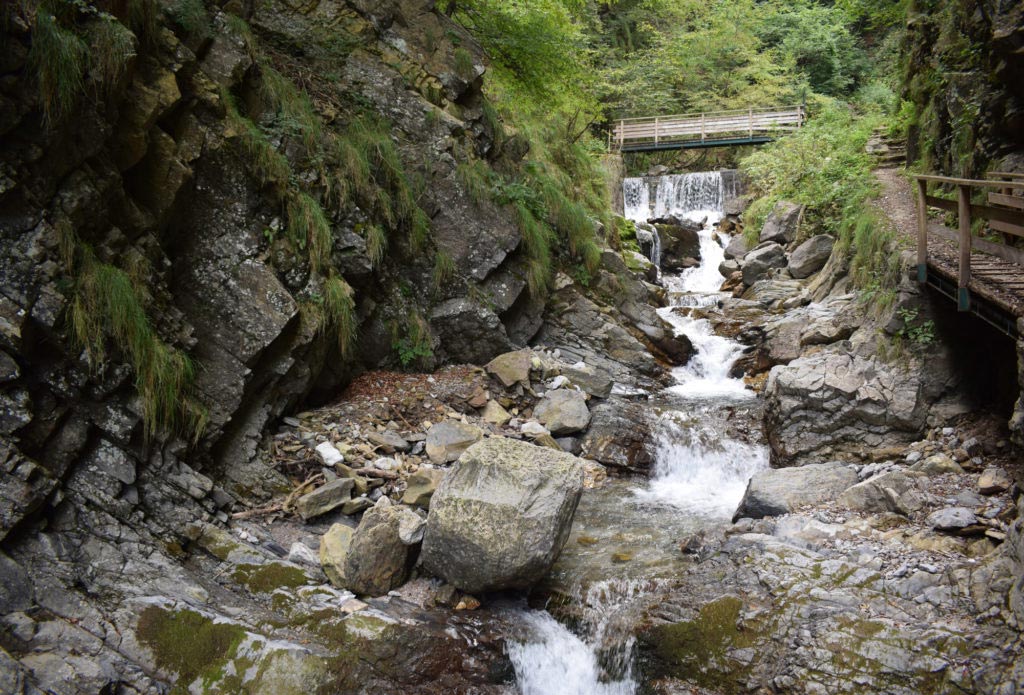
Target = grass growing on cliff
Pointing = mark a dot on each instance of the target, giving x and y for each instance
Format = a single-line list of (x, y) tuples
[(340, 313), (191, 16), (107, 307), (59, 58), (111, 46), (309, 229)]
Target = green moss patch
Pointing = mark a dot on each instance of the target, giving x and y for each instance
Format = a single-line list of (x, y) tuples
[(264, 579), (186, 643)]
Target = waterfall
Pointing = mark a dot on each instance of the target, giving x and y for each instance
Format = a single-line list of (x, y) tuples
[(636, 197), (656, 249)]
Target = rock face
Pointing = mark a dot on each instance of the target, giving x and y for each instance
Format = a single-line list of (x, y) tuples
[(563, 411), (782, 224), (780, 491), (834, 401), (760, 260), (501, 515), (810, 256)]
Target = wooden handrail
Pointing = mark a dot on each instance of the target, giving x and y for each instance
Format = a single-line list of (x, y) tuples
[(673, 129), (1008, 219)]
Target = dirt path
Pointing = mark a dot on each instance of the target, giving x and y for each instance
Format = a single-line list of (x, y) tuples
[(897, 201)]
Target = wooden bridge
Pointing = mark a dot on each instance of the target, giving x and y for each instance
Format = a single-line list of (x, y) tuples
[(696, 130), (984, 275)]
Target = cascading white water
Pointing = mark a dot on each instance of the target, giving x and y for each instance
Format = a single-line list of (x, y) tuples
[(636, 199)]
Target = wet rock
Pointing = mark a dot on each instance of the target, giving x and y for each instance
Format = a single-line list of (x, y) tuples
[(782, 224), (325, 498), (447, 440), (810, 256), (563, 411), (478, 537), (937, 464), (760, 260), (378, 560), (993, 481), (511, 368), (951, 519), (618, 436), (781, 490), (679, 243), (421, 486)]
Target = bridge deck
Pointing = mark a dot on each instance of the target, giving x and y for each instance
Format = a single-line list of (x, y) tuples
[(715, 129)]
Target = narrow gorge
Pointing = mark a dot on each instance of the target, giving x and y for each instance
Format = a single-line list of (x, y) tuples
[(351, 347)]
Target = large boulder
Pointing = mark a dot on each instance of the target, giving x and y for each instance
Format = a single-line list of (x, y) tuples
[(878, 494), (782, 224), (447, 440), (378, 559), (781, 490), (511, 368), (501, 515), (563, 411), (737, 248), (760, 260), (811, 256)]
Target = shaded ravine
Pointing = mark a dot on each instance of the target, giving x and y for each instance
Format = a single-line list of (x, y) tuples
[(626, 534)]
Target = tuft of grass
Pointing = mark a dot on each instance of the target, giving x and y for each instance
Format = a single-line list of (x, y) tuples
[(191, 15), (339, 308), (444, 269), (537, 238), (376, 243), (475, 177), (111, 48), (106, 307), (295, 109), (58, 58), (268, 165), (143, 19), (464, 67), (309, 229)]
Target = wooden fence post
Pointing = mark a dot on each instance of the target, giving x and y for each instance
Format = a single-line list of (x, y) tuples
[(656, 130), (750, 120), (702, 127), (963, 295), (922, 231)]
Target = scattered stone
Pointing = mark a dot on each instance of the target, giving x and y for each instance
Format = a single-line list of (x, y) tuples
[(937, 464), (387, 441), (478, 537), (563, 412), (334, 547), (421, 486), (592, 381), (780, 490), (447, 440), (951, 519), (325, 498), (410, 526), (302, 554), (512, 368), (356, 505), (495, 414), (760, 260), (993, 481), (534, 429), (973, 447), (878, 494), (329, 454), (913, 457)]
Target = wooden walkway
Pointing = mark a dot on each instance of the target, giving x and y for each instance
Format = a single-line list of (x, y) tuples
[(984, 276), (697, 130)]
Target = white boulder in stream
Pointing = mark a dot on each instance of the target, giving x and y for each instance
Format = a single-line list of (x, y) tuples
[(501, 515), (781, 490)]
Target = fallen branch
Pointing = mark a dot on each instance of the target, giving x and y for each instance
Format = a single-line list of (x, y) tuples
[(259, 511), (375, 473)]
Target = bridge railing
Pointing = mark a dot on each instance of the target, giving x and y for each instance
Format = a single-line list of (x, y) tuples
[(676, 128), (1003, 209)]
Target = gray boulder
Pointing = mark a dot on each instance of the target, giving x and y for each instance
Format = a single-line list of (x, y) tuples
[(727, 268), (782, 224), (447, 440), (760, 260), (512, 368), (878, 494), (679, 244), (563, 411), (593, 381), (378, 559), (501, 515), (618, 437), (468, 332), (951, 519), (811, 256), (781, 490), (325, 498), (737, 248)]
